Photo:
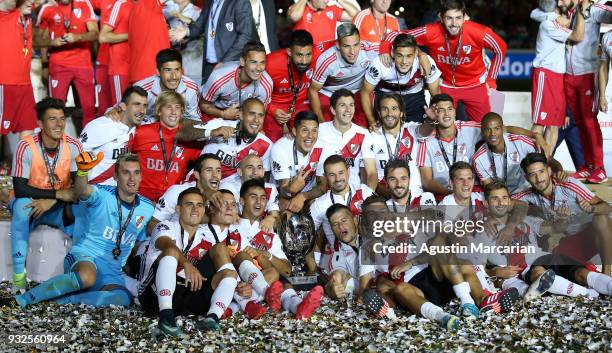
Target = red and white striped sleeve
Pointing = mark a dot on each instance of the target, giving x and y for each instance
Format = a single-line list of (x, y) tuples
[(113, 15), (498, 46), (579, 189)]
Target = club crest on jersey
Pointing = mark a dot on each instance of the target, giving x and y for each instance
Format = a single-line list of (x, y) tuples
[(201, 253), (365, 64), (309, 73), (313, 165), (229, 26), (6, 124), (357, 204), (461, 148), (354, 148), (330, 15), (179, 151), (514, 157), (57, 19), (139, 222), (309, 18), (467, 49), (77, 13), (406, 142)]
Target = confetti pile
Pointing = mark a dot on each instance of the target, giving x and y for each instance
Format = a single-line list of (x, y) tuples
[(551, 324)]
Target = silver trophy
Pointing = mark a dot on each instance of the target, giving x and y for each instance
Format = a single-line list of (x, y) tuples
[(297, 234)]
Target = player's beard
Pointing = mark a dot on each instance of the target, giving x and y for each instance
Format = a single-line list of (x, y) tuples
[(403, 194), (246, 136), (301, 67)]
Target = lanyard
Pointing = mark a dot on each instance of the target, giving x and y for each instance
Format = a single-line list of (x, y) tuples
[(53, 178), (395, 155), (448, 163), (186, 249), (295, 158), (214, 12), (380, 35), (454, 59), (214, 233), (69, 20), (25, 22), (167, 162), (505, 165), (122, 225), (294, 89), (240, 88), (547, 215), (348, 201), (407, 206)]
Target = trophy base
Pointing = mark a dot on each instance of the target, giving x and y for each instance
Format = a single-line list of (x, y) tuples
[(304, 283)]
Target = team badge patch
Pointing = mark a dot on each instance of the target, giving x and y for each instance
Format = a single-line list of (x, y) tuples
[(354, 148), (365, 64), (77, 13), (461, 148), (467, 49), (330, 15), (139, 222), (514, 157), (406, 142), (179, 151), (230, 26), (6, 124)]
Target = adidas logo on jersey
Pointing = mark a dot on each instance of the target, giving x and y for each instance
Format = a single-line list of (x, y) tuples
[(438, 154), (155, 148), (588, 93), (441, 49), (372, 32), (284, 81)]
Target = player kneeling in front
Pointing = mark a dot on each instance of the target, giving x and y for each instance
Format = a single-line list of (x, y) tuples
[(185, 272), (266, 248)]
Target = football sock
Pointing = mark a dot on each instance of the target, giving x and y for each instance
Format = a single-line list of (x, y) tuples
[(482, 277), (227, 266), (432, 312), (253, 276), (600, 282), (98, 299), (52, 288), (290, 300), (562, 286), (165, 281), (462, 291), (222, 296)]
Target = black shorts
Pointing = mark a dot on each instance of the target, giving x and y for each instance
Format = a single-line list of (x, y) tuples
[(184, 300), (413, 103), (563, 266), (438, 292)]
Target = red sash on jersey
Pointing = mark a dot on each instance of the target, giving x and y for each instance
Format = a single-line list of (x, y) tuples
[(522, 237), (262, 240), (257, 147), (406, 145), (352, 149), (355, 203), (313, 161), (391, 86)]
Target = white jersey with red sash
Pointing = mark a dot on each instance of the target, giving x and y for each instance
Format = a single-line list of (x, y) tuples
[(285, 165), (349, 145), (234, 150), (252, 235), (385, 147), (353, 199)]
